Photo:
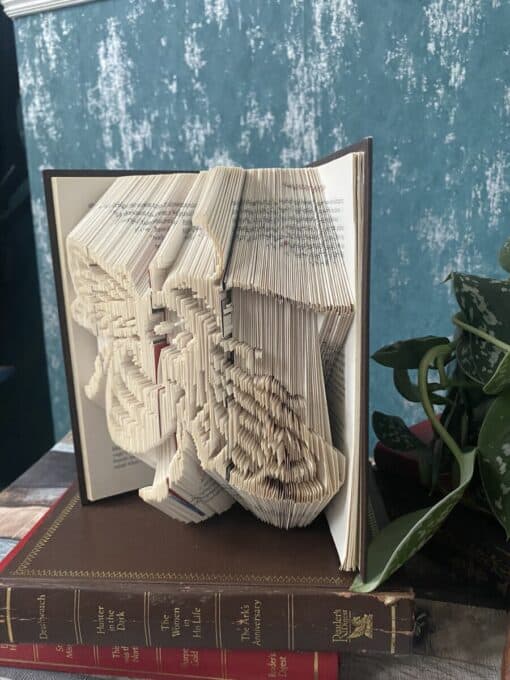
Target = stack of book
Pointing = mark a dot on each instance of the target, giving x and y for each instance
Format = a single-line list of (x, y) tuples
[(215, 331), (117, 588)]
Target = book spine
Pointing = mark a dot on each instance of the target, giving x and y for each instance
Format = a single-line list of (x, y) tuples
[(233, 618), (156, 662)]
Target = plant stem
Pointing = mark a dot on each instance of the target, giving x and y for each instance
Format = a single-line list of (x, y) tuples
[(481, 334), (443, 378), (428, 359)]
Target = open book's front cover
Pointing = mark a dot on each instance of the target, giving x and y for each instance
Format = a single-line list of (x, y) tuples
[(128, 472)]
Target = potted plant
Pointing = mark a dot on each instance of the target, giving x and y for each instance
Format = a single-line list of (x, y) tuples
[(467, 381)]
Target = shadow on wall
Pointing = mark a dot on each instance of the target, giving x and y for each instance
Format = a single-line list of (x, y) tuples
[(26, 429)]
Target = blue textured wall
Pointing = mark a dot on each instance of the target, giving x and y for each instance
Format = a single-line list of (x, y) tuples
[(189, 83)]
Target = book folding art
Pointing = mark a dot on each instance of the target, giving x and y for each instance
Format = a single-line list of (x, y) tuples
[(215, 333)]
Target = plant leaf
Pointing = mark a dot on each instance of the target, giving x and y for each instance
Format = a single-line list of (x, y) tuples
[(504, 256), (410, 391), (394, 433), (401, 539), (485, 304), (407, 353), (500, 378), (494, 458)]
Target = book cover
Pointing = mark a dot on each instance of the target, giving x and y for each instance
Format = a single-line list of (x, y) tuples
[(118, 572)]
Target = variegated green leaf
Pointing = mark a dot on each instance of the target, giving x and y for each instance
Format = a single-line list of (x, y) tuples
[(477, 358), (401, 539), (410, 391), (500, 378), (504, 256), (494, 458), (407, 353), (394, 433), (485, 304)]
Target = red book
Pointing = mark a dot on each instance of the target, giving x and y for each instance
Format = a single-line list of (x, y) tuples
[(178, 664)]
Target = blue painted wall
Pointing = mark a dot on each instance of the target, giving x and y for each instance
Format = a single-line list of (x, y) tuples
[(190, 83)]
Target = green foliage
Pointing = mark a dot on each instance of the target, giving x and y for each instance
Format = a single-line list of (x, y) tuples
[(401, 539), (393, 432), (500, 379), (494, 458), (474, 393), (504, 256), (407, 353)]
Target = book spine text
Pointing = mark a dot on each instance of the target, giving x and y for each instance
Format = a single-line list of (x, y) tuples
[(225, 619)]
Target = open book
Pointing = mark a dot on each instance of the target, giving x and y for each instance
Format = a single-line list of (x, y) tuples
[(215, 333)]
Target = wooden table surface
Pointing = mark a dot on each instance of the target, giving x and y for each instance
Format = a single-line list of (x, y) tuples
[(463, 642)]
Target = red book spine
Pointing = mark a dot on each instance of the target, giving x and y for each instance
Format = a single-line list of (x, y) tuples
[(151, 663)]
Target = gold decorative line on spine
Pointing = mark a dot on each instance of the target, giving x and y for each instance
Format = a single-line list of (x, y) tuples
[(316, 666), (225, 652), (216, 619), (95, 651), (219, 620), (393, 641), (158, 658), (146, 620), (222, 663), (75, 618), (35, 650), (288, 622), (78, 616), (292, 619), (8, 614)]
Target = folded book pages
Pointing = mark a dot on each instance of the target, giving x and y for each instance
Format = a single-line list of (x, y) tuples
[(212, 318)]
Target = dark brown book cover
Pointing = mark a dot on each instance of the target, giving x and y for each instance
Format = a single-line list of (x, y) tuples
[(120, 572)]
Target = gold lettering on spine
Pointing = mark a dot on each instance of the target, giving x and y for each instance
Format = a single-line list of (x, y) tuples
[(42, 619), (257, 623), (393, 641), (8, 614), (176, 622)]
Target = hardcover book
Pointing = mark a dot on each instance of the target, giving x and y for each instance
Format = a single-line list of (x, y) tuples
[(155, 663), (118, 572), (215, 330)]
